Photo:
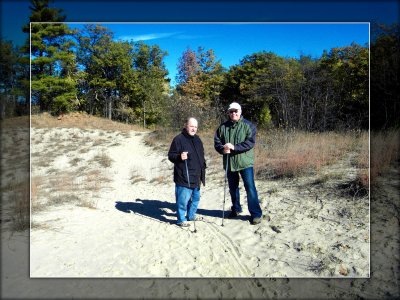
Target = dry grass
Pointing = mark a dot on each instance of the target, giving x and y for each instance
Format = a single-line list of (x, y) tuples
[(160, 179), (103, 160), (295, 153), (62, 181), (40, 226), (98, 142), (384, 152), (363, 161), (62, 199), (135, 177), (80, 120), (75, 161), (280, 153), (89, 203), (65, 188), (36, 182), (55, 188), (16, 122), (94, 180), (160, 139), (20, 213)]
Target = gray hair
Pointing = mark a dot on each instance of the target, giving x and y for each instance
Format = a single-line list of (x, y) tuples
[(190, 118)]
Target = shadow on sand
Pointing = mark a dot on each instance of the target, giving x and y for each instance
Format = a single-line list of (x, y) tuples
[(161, 211)]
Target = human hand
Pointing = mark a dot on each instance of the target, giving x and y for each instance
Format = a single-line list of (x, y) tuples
[(184, 155), (228, 147)]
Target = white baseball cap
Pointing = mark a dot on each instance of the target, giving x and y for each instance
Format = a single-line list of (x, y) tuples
[(234, 105)]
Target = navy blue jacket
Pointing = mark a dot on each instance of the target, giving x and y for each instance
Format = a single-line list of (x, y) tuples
[(196, 162)]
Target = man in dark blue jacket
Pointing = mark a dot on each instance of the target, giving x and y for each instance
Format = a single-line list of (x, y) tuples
[(187, 154)]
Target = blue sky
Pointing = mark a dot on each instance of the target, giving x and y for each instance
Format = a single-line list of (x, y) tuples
[(231, 42)]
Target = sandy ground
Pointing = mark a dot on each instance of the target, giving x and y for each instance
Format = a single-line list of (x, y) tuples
[(130, 231), (103, 207)]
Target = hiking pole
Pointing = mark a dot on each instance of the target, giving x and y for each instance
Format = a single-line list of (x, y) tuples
[(226, 175), (187, 174)]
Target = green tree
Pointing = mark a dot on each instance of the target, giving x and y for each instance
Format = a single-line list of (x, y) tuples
[(121, 80), (11, 72), (348, 66), (153, 86), (107, 77), (93, 43), (312, 94), (316, 102), (53, 65), (256, 83), (385, 75)]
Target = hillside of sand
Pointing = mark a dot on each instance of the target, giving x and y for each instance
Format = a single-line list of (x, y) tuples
[(103, 206)]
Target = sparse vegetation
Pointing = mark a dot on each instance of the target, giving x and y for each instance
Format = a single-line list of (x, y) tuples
[(74, 162), (103, 160), (80, 120), (384, 152), (73, 179), (135, 177), (294, 153), (20, 213), (278, 153), (160, 179), (88, 203), (281, 153)]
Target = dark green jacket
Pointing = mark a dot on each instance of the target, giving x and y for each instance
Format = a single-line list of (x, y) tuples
[(242, 135)]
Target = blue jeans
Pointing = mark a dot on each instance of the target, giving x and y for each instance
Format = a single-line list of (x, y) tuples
[(251, 191), (187, 200)]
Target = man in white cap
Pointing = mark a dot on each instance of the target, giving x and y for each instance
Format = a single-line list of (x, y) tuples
[(235, 140)]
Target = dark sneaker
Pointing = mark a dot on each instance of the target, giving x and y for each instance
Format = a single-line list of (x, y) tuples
[(184, 224), (233, 214), (256, 221)]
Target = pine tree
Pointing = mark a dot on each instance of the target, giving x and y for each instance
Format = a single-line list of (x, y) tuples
[(10, 73), (53, 63)]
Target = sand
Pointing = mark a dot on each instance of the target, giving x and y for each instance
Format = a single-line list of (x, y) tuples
[(107, 219), (121, 223)]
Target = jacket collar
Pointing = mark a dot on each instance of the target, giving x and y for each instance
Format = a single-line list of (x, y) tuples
[(233, 124), (186, 134)]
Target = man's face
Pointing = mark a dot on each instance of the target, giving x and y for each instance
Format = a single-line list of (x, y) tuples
[(234, 114), (191, 127)]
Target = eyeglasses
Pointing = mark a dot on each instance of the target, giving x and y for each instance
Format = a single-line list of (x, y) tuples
[(233, 111)]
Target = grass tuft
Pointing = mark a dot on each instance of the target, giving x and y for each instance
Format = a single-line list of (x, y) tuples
[(103, 160)]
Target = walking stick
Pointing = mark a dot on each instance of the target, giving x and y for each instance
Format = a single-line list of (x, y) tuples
[(187, 174), (226, 175)]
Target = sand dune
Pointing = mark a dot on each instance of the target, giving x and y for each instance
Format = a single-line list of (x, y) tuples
[(105, 207), (92, 218)]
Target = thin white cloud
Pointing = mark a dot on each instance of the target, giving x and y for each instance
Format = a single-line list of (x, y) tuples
[(155, 36), (192, 37), (147, 37)]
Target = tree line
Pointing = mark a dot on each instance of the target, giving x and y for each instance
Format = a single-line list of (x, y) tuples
[(88, 70)]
